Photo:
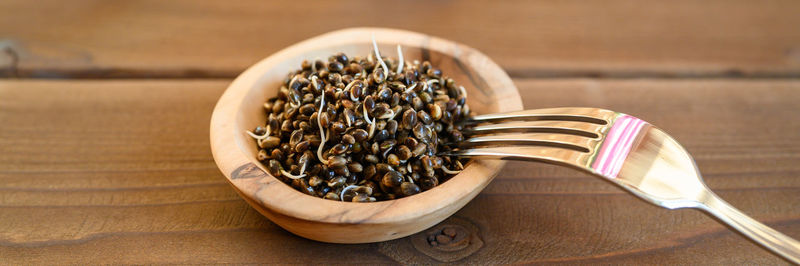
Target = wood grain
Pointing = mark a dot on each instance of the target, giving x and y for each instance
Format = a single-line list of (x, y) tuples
[(121, 172), (619, 38)]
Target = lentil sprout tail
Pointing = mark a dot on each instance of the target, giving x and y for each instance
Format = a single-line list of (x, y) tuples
[(371, 128), (347, 188), (400, 58), (448, 171), (291, 101), (319, 149), (347, 88), (314, 82), (409, 173), (378, 55), (260, 139), (410, 89), (266, 134), (290, 175), (321, 132), (366, 116), (394, 114), (303, 169)]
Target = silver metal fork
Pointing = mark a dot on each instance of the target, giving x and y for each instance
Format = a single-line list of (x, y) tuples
[(619, 148)]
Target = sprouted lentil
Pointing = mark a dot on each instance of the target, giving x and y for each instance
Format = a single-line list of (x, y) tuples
[(380, 131)]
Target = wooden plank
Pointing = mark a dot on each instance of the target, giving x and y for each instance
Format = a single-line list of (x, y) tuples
[(619, 38), (120, 172)]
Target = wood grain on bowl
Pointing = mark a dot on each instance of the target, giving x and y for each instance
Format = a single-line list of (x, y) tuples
[(240, 109)]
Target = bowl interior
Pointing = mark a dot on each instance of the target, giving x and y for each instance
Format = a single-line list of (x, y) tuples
[(480, 101), (241, 108)]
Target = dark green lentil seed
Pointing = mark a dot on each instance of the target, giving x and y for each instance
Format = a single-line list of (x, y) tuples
[(419, 149), (348, 139), (268, 107), (336, 161), (393, 160), (370, 158), (260, 130), (307, 109), (409, 119), (296, 137), (392, 179), (369, 172), (381, 135), (363, 198), (275, 167), (341, 58), (408, 188), (302, 146), (342, 170), (391, 127), (277, 155), (262, 155), (356, 148), (360, 135), (383, 168), (411, 142), (363, 190), (335, 66), (403, 153), (337, 181), (270, 142), (331, 196), (339, 149), (355, 167), (427, 183), (315, 181)]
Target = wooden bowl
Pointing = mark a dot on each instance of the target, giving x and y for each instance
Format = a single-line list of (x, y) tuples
[(240, 108)]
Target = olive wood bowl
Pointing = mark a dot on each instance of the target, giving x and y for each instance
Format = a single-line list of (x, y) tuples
[(240, 108)]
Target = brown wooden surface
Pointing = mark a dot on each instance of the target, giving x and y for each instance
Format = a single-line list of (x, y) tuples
[(99, 171), (121, 172), (619, 38)]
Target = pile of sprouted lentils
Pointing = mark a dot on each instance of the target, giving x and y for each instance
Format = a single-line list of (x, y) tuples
[(363, 129)]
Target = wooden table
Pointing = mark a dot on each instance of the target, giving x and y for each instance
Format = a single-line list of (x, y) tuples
[(105, 107)]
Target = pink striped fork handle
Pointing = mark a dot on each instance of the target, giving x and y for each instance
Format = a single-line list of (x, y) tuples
[(618, 148)]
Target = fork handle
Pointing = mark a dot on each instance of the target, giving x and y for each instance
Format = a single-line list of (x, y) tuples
[(763, 235)]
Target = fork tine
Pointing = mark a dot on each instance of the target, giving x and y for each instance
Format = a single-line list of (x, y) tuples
[(558, 155), (585, 129), (591, 115), (577, 143)]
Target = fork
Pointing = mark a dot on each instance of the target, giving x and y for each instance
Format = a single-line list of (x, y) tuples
[(618, 148)]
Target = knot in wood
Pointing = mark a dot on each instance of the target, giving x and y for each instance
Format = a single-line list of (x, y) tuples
[(451, 240), (248, 170)]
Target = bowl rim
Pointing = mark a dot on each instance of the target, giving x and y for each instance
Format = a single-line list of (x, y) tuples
[(251, 180)]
